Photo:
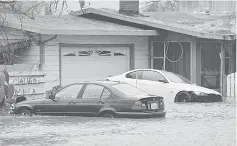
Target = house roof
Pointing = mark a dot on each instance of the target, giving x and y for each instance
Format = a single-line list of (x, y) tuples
[(73, 25), (206, 27)]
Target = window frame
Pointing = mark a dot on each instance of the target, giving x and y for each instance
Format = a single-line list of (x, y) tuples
[(104, 87), (135, 72)]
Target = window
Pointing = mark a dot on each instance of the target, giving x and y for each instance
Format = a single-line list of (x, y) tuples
[(85, 53), (176, 78), (93, 91), (106, 93), (132, 75), (119, 54), (152, 76), (103, 53), (129, 90), (70, 54), (69, 92)]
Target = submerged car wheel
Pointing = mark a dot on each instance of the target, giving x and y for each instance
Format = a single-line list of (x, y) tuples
[(25, 112), (108, 114), (183, 97)]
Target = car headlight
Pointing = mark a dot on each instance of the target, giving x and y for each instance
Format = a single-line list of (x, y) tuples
[(199, 93)]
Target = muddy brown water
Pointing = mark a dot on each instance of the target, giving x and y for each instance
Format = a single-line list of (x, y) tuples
[(194, 124)]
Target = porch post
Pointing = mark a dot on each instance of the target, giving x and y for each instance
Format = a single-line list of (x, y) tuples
[(42, 53), (222, 68)]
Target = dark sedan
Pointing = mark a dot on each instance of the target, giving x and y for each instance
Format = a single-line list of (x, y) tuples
[(99, 98)]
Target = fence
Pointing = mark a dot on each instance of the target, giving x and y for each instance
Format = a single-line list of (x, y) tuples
[(232, 85)]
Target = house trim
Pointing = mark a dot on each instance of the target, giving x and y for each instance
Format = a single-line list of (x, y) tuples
[(49, 31)]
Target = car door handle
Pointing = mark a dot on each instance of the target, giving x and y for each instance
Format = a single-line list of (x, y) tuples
[(101, 102), (71, 102)]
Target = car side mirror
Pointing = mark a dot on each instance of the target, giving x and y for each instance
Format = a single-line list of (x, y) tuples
[(50, 95), (164, 81)]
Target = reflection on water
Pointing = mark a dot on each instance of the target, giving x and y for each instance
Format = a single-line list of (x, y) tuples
[(209, 124)]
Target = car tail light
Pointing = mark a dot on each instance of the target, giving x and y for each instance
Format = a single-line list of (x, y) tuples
[(162, 105), (138, 105)]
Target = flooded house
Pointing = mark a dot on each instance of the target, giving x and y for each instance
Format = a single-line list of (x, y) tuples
[(92, 44)]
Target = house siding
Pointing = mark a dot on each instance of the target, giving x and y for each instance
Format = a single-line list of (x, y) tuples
[(52, 52), (27, 56), (30, 55)]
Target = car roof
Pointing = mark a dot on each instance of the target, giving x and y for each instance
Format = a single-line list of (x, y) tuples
[(150, 70), (145, 69), (102, 82)]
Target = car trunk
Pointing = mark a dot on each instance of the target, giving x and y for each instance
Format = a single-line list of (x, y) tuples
[(153, 103)]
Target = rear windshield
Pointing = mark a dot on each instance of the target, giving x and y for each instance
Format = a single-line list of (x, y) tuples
[(129, 90)]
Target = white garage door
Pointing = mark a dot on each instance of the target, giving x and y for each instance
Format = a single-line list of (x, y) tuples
[(97, 63)]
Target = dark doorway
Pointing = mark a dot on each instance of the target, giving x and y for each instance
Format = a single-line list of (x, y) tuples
[(210, 65)]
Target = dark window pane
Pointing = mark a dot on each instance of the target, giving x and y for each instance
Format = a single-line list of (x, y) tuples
[(85, 53), (133, 75), (103, 53), (119, 54), (93, 91), (69, 92), (158, 64), (70, 54), (158, 49), (178, 58), (152, 76)]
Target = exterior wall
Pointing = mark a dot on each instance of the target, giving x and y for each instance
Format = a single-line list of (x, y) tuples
[(172, 36), (52, 54), (30, 56), (52, 66)]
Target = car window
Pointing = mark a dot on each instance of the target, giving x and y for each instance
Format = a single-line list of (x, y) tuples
[(152, 76), (93, 91), (69, 91), (133, 75), (106, 93), (176, 78), (129, 90)]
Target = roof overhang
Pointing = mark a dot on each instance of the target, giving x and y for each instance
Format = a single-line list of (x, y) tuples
[(152, 24), (68, 31)]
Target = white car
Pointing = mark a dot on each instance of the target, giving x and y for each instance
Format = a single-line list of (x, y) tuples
[(171, 86)]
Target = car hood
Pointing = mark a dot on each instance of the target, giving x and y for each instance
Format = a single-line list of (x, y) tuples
[(193, 87)]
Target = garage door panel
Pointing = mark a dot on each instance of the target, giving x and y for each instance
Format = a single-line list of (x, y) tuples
[(95, 65)]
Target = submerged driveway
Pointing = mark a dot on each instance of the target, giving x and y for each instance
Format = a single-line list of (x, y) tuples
[(194, 124)]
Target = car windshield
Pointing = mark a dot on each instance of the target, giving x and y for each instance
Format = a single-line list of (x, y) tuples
[(176, 78), (129, 90)]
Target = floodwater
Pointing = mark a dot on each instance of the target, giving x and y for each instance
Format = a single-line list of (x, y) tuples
[(194, 124)]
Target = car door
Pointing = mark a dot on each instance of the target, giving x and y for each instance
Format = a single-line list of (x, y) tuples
[(63, 99), (133, 78), (154, 83), (93, 98)]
